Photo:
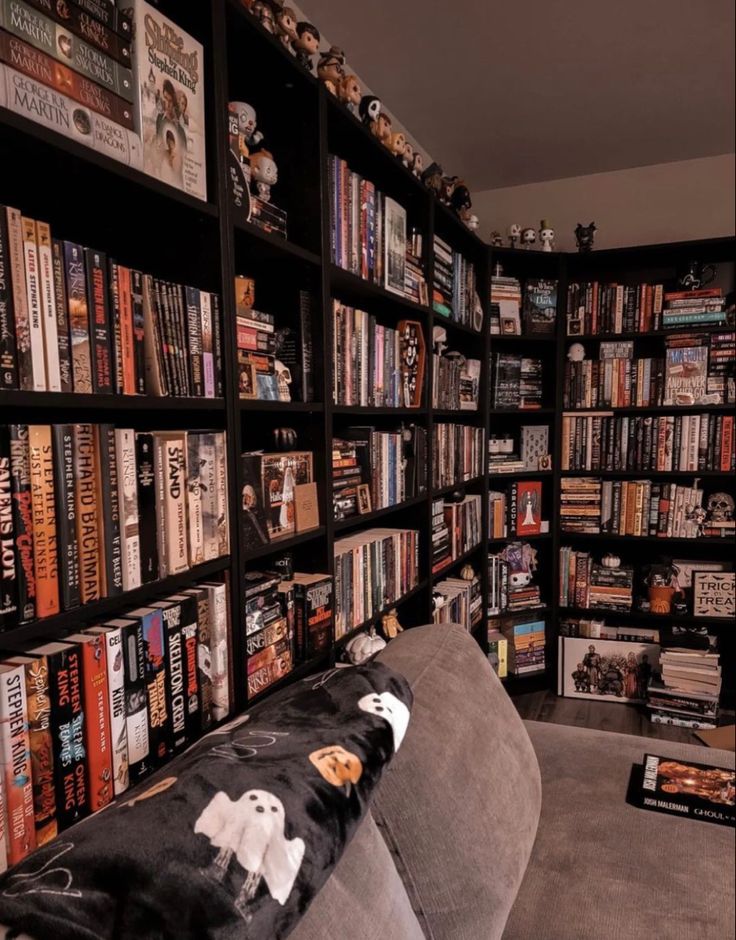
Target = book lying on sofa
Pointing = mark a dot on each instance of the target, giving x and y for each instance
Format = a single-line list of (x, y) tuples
[(698, 791)]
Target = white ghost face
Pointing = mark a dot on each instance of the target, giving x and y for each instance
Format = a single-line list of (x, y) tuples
[(385, 705), (246, 119)]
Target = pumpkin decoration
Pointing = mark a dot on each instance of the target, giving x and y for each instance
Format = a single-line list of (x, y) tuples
[(363, 646), (610, 560), (340, 768), (467, 573), (390, 624)]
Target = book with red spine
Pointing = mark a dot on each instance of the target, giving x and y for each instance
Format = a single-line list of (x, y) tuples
[(15, 756)]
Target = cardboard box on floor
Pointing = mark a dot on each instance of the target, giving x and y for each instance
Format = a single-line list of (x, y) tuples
[(723, 738)]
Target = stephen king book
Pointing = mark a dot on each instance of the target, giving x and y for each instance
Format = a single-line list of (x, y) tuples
[(76, 294), (154, 671), (20, 467), (89, 514), (168, 74), (66, 514), (204, 657), (45, 542), (146, 507), (110, 508), (8, 565), (113, 636), (188, 604), (15, 757)]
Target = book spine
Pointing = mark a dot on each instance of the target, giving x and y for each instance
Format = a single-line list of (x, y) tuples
[(97, 723), (8, 569), (223, 515), (15, 756), (159, 717), (20, 297), (175, 474), (163, 536), (194, 336), (86, 484), (110, 15), (146, 484), (35, 305), (62, 317), (128, 507), (76, 287), (204, 658), (23, 521), (139, 342), (127, 340), (67, 724), (194, 502), (9, 378), (175, 674), (136, 710), (72, 17), (41, 743), (219, 650), (208, 362), (208, 491), (190, 642), (45, 542), (99, 321), (218, 351), (117, 330), (110, 507), (115, 664)]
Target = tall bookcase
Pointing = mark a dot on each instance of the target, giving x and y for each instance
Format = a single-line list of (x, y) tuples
[(96, 201)]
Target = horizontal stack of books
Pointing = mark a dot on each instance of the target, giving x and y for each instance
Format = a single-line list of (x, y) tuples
[(373, 569), (705, 306), (415, 281), (458, 453), (580, 505), (457, 600), (505, 305), (91, 510), (456, 529), (595, 629), (504, 595), (517, 382), (585, 583), (137, 689), (455, 382), (688, 692), (525, 645), (602, 441), (72, 320)]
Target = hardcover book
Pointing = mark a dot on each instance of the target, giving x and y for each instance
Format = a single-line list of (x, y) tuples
[(267, 498), (169, 77), (15, 758), (189, 605), (684, 788), (113, 636), (88, 511), (8, 575), (154, 665), (66, 514), (540, 306), (45, 542), (20, 468), (204, 656)]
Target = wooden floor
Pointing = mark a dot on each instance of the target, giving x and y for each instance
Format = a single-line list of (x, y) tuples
[(605, 716)]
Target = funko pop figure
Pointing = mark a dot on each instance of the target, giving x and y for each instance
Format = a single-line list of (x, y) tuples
[(306, 43), (331, 69), (264, 173), (348, 92)]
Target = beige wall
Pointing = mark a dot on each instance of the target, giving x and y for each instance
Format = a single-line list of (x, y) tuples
[(640, 206)]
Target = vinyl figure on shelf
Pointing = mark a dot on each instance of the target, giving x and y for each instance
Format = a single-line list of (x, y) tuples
[(286, 27), (408, 156), (369, 109), (244, 134), (448, 188), (331, 69), (397, 145), (417, 164), (496, 239), (461, 201), (390, 624), (546, 236), (382, 129), (473, 222), (306, 43), (264, 174), (263, 12), (432, 178), (349, 92), (528, 237), (585, 236), (514, 234)]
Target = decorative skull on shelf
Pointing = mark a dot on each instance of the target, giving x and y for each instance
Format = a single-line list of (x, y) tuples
[(283, 380), (720, 507)]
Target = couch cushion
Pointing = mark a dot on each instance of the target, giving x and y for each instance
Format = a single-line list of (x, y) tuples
[(459, 805), (364, 898), (601, 868)]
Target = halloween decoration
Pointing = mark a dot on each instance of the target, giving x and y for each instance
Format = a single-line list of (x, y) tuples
[(467, 573), (283, 381), (528, 237), (460, 200), (390, 624), (695, 275), (363, 646), (438, 600), (349, 92), (339, 767), (306, 43), (576, 353), (496, 239), (385, 705), (720, 508), (369, 109), (432, 178), (286, 27), (546, 236), (584, 236), (264, 174), (413, 357), (331, 69), (514, 234), (610, 560)]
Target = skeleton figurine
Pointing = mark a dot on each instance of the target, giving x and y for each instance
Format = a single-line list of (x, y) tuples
[(720, 508), (283, 380), (528, 237), (546, 236), (439, 339), (514, 234)]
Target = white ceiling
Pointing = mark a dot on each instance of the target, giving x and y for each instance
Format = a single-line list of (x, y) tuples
[(529, 90)]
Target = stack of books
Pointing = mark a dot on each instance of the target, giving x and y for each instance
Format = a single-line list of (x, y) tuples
[(505, 306), (136, 690), (348, 474), (705, 306), (455, 382), (269, 629), (525, 646), (688, 692), (458, 453), (503, 595), (95, 510), (415, 281), (588, 584), (373, 569), (441, 554), (595, 629), (454, 293), (686, 369), (693, 442), (497, 515), (461, 602), (580, 505), (721, 366), (443, 288), (73, 320), (268, 216), (517, 382)]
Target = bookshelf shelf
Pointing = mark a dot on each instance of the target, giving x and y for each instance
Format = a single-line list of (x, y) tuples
[(455, 413), (650, 619), (459, 485), (440, 320), (647, 539), (281, 545), (358, 410), (494, 478), (525, 413), (650, 334), (275, 245), (350, 286), (109, 606), (655, 409), (415, 592), (454, 562), (340, 524), (649, 474), (542, 537), (522, 338), (285, 407), (116, 403)]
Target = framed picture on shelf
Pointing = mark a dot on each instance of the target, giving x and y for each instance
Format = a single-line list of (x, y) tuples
[(713, 593), (605, 670), (247, 387), (364, 499)]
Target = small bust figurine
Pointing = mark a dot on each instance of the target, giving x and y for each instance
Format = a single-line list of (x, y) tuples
[(306, 43), (264, 174), (331, 69), (546, 235), (263, 12), (448, 188), (514, 234), (496, 239), (286, 27), (584, 236), (461, 201), (348, 92), (370, 108), (408, 155), (381, 129), (432, 178), (417, 164), (528, 237), (397, 144)]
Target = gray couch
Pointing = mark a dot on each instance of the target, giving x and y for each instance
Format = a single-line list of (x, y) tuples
[(486, 826)]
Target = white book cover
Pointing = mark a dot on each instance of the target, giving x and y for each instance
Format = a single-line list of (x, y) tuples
[(194, 502), (35, 310), (223, 529), (219, 649), (116, 697), (168, 74), (208, 359), (174, 466), (48, 307), (128, 500)]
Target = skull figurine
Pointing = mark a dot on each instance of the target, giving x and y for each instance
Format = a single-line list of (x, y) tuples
[(283, 380), (720, 507), (439, 339), (514, 234)]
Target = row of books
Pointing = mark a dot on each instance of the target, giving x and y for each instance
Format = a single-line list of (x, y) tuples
[(596, 628), (367, 361), (527, 448), (456, 529), (271, 360), (72, 320), (458, 600), (89, 511), (660, 443), (454, 291), (589, 584), (375, 469), (458, 454), (373, 569), (517, 382), (638, 508), (109, 92), (288, 620), (516, 648), (455, 382), (85, 717), (530, 313), (510, 588), (516, 511)]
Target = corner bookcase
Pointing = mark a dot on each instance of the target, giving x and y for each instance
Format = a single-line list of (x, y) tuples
[(91, 199)]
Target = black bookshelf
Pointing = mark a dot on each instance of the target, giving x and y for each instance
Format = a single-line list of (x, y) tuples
[(92, 199)]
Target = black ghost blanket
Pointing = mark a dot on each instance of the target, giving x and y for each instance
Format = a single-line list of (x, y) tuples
[(236, 836)]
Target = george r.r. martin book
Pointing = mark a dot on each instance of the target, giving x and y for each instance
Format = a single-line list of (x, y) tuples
[(169, 99)]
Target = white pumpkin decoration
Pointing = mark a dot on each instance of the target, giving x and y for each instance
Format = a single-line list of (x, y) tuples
[(610, 560), (363, 646), (467, 573)]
